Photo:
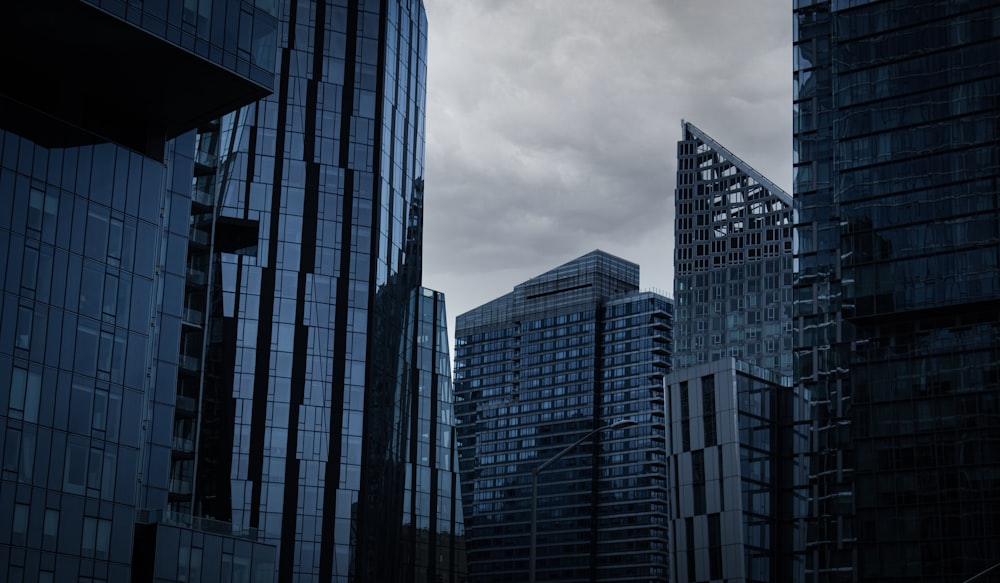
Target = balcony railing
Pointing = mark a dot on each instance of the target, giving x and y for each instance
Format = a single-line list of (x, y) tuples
[(202, 197), (183, 445), (180, 486), (190, 363), (194, 522), (194, 317), (199, 236), (195, 276)]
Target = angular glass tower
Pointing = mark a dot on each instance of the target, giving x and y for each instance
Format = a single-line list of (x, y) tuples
[(431, 544), (569, 351), (732, 259), (739, 441), (897, 290), (315, 383), (96, 149)]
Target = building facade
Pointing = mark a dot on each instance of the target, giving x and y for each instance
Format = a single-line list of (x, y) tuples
[(737, 474), (314, 393), (217, 360), (569, 351), (897, 292), (97, 142), (732, 259)]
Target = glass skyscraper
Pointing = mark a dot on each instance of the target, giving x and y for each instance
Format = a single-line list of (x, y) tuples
[(316, 381), (566, 352), (897, 291), (738, 445), (214, 338), (96, 149), (732, 259)]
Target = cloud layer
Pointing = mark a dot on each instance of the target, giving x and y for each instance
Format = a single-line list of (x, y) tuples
[(552, 127)]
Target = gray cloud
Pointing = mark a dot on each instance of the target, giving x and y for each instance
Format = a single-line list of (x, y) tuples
[(552, 127)]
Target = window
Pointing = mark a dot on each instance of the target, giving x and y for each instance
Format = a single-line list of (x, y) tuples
[(81, 403), (11, 451), (22, 337), (96, 537), (99, 419), (94, 468), (715, 546), (19, 524), (25, 388), (75, 468), (50, 529)]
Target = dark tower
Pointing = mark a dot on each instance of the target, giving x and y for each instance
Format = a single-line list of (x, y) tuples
[(897, 292)]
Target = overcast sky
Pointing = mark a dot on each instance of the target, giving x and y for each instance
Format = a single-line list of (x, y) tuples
[(552, 128)]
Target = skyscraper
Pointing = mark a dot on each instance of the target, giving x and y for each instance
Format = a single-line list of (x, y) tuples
[(97, 116), (733, 259), (737, 451), (220, 339), (567, 352), (737, 458), (897, 290), (316, 382)]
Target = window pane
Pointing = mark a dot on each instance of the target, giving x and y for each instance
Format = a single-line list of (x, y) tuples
[(20, 523), (22, 337), (35, 203), (80, 416), (89, 535), (18, 383), (94, 469), (50, 528), (100, 417), (103, 538), (11, 450), (76, 467), (32, 396)]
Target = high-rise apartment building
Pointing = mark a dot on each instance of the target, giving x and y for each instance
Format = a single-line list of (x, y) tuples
[(732, 259), (569, 351), (897, 291), (96, 120), (314, 377)]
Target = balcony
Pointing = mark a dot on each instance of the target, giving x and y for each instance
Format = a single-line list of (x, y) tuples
[(196, 276), (203, 197), (183, 444), (193, 317), (186, 404), (198, 523), (207, 160), (661, 338), (661, 325), (189, 363), (180, 486), (199, 237)]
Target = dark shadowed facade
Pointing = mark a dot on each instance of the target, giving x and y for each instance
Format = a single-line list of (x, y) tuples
[(96, 158), (571, 350), (897, 291)]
